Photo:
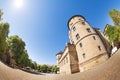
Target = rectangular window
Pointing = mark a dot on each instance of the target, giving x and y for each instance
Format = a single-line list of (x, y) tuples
[(84, 55), (74, 28), (66, 59), (80, 44), (94, 38), (83, 23), (77, 36), (88, 29), (99, 48)]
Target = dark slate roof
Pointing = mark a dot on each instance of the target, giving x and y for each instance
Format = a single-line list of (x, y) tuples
[(73, 17)]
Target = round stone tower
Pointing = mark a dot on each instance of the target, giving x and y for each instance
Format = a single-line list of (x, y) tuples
[(89, 46)]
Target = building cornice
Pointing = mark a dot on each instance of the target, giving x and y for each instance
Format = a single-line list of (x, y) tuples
[(85, 37), (93, 59)]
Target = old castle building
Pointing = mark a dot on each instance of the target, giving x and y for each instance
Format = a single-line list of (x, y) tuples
[(87, 47)]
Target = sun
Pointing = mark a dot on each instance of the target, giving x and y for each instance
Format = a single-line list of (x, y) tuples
[(18, 3)]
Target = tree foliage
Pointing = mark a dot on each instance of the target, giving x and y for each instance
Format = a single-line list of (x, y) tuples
[(4, 30), (24, 59), (48, 68), (44, 68), (113, 32), (1, 13), (33, 65), (20, 54), (115, 16), (38, 67), (17, 46), (55, 69), (13, 45)]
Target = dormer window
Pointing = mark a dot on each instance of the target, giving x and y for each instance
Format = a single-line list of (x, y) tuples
[(74, 28), (77, 36)]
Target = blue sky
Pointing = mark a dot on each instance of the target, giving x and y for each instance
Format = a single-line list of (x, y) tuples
[(42, 24)]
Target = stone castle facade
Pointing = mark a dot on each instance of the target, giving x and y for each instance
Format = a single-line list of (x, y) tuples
[(87, 48)]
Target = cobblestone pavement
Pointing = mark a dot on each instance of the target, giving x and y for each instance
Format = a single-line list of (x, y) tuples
[(110, 70)]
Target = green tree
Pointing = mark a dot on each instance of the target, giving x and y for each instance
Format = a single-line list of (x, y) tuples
[(44, 68), (30, 63), (17, 46), (49, 69), (24, 59), (54, 69), (4, 30), (14, 45), (115, 16), (113, 32), (34, 65), (1, 13), (39, 68)]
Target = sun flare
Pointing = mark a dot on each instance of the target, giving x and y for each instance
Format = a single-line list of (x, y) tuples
[(18, 3)]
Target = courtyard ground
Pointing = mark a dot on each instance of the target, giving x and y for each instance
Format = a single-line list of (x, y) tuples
[(110, 70)]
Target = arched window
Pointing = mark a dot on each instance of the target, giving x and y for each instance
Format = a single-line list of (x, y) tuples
[(77, 36)]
